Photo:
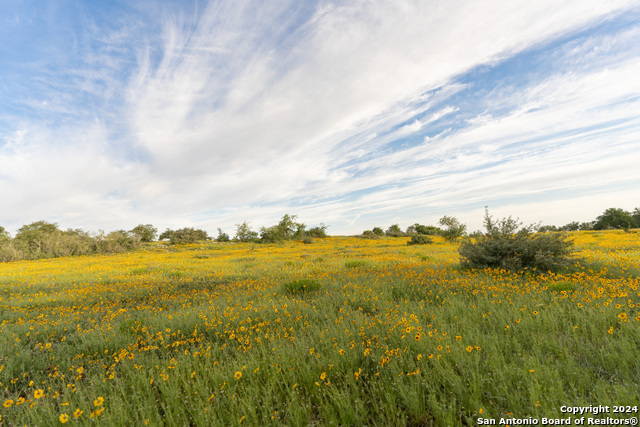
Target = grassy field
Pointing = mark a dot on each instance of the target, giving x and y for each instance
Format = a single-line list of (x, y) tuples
[(344, 331)]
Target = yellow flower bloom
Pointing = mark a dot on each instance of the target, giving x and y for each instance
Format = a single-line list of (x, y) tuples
[(99, 401), (77, 413), (38, 393), (64, 418), (7, 403), (96, 413), (237, 375)]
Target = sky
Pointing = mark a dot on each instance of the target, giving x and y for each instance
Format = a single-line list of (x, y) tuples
[(354, 114)]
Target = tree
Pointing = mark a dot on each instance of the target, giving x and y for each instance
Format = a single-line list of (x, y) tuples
[(614, 218), (378, 231), (166, 234), (394, 231), (428, 230), (222, 237), (188, 235), (244, 233), (184, 235), (38, 238), (636, 216), (146, 232), (454, 228)]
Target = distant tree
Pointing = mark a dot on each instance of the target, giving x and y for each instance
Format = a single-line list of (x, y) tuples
[(166, 234), (572, 226), (547, 228), (38, 239), (222, 236), (244, 233), (286, 229), (271, 234), (428, 230), (184, 235), (378, 231), (116, 241), (319, 231), (614, 218), (636, 216), (586, 226), (4, 233), (146, 232), (189, 235), (454, 228), (394, 231)]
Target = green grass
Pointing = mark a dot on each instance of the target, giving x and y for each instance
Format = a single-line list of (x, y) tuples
[(294, 334)]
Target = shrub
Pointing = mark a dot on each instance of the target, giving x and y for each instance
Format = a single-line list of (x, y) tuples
[(318, 232), (420, 239), (508, 245), (378, 231), (307, 240), (368, 234)]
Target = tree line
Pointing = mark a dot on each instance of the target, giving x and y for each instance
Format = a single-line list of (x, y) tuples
[(43, 239), (451, 229)]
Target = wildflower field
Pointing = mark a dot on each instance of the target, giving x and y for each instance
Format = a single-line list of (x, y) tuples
[(344, 331)]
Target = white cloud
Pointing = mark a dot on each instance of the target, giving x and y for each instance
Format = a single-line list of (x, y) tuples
[(238, 112)]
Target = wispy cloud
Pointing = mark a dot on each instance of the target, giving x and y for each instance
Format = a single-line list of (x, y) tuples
[(356, 114)]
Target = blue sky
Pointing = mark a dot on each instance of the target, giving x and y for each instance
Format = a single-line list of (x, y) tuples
[(355, 114)]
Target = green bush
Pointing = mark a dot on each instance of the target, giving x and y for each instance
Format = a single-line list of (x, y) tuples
[(318, 232), (420, 239), (368, 234), (508, 245), (378, 231)]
